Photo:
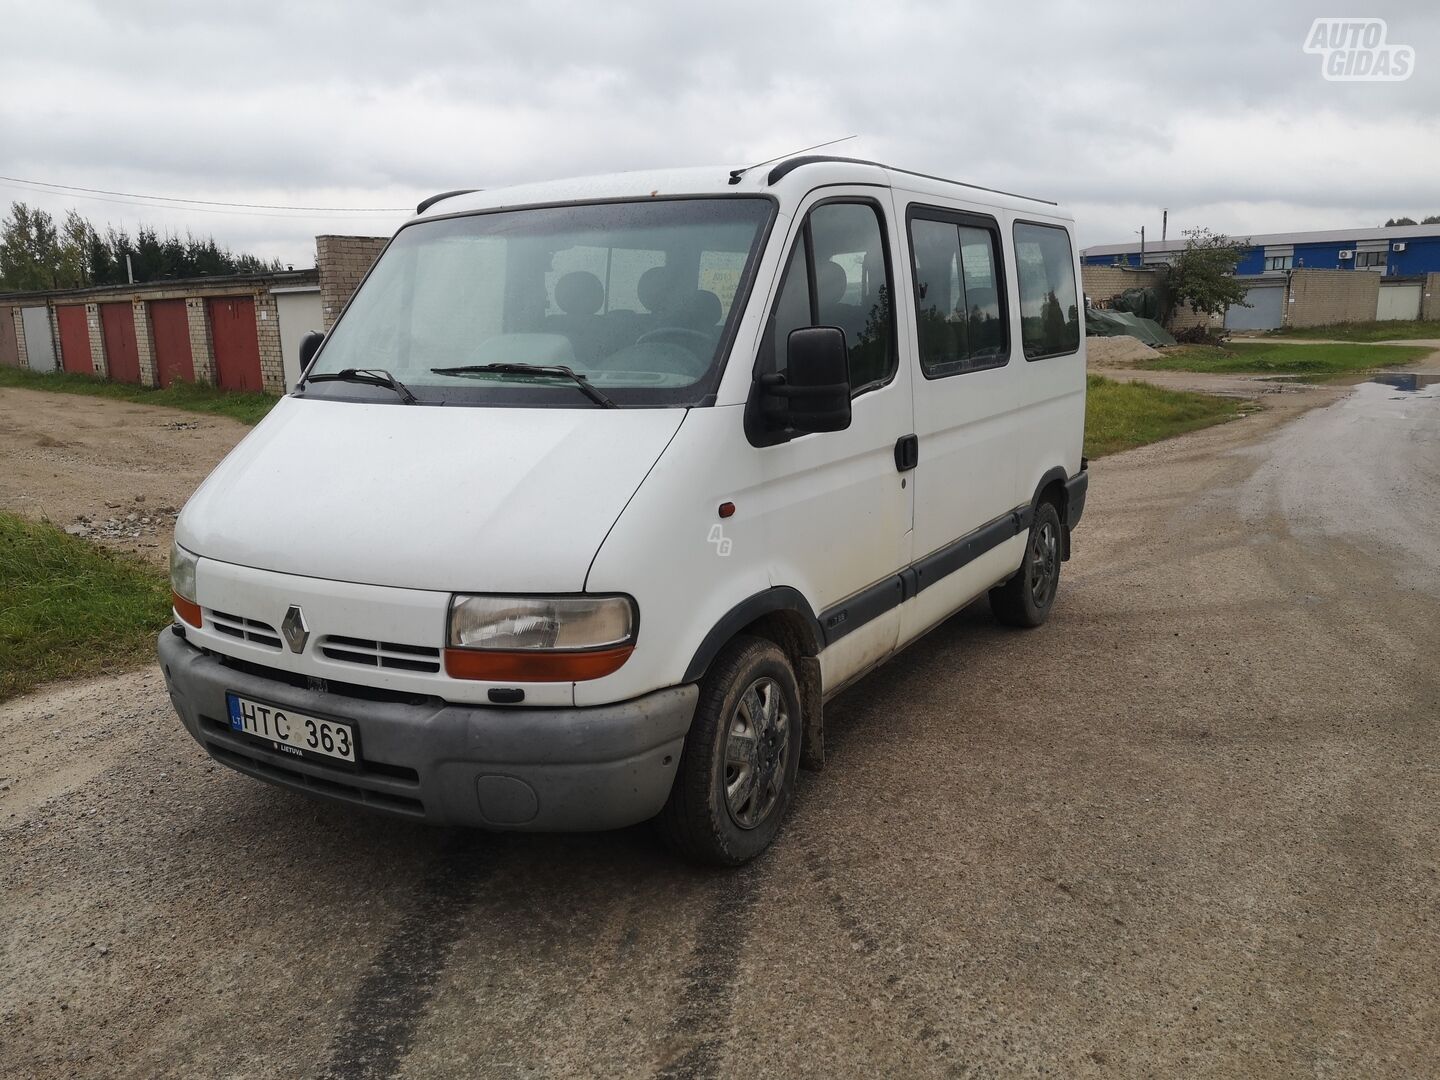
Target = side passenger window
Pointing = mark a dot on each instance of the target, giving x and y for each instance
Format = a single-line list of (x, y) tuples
[(838, 276), (1049, 306), (959, 297)]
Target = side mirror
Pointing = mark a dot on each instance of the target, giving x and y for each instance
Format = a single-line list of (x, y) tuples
[(309, 346), (813, 394)]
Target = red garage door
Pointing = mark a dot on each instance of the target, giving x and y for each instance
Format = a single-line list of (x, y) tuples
[(117, 327), (237, 344), (9, 343), (170, 327), (74, 340)]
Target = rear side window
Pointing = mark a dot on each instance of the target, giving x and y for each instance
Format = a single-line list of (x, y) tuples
[(838, 275), (959, 294), (1049, 306)]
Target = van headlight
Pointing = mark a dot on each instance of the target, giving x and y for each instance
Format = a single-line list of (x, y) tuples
[(182, 585), (539, 638)]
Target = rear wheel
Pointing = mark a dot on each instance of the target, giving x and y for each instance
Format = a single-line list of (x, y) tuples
[(1026, 599), (737, 771)]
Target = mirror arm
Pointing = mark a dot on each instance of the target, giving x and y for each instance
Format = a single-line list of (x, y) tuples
[(776, 386)]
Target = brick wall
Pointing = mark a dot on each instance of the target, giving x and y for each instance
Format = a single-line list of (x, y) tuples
[(20, 338), (1326, 297), (144, 343), (55, 339), (1430, 298), (201, 352), (343, 261), (1186, 318), (97, 341), (1105, 282), (272, 361)]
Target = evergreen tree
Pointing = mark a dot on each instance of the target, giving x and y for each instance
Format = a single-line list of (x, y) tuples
[(35, 255)]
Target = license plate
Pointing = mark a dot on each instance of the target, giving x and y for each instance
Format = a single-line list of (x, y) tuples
[(291, 732)]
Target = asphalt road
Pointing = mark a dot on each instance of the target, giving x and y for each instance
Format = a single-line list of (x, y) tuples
[(1188, 826)]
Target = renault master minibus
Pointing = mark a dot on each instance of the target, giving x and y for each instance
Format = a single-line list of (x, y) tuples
[(598, 490)]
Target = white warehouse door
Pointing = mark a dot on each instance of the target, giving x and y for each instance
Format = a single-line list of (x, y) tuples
[(39, 345), (299, 312), (1267, 303), (1398, 302)]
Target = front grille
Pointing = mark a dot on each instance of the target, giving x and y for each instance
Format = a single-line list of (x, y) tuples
[(380, 654), (332, 686), (237, 626)]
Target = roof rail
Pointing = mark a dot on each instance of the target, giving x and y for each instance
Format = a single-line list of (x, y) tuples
[(790, 165), (433, 199)]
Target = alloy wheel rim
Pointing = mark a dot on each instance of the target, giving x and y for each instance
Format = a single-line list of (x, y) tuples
[(1044, 564), (757, 745)]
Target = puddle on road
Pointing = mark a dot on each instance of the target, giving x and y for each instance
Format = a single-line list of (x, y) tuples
[(1409, 381)]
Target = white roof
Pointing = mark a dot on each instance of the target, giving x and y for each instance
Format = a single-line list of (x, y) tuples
[(716, 180), (1324, 236)]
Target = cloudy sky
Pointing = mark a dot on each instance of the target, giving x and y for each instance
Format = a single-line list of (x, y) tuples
[(1213, 110)]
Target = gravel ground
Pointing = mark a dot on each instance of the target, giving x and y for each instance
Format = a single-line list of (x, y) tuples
[(110, 471), (1188, 826)]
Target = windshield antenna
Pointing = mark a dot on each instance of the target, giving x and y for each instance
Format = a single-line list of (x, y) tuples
[(736, 174)]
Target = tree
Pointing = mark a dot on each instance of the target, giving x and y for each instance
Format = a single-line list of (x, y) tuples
[(1203, 274), (73, 258), (29, 249), (35, 255), (1402, 221), (1433, 219)]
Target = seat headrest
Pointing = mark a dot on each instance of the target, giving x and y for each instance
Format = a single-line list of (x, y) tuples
[(700, 311), (830, 282), (579, 293), (656, 289)]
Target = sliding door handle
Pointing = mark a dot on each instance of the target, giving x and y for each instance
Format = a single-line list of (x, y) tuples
[(907, 452)]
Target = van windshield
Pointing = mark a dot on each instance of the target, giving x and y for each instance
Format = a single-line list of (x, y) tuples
[(638, 297)]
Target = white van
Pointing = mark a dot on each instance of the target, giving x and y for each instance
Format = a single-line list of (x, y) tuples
[(599, 489)]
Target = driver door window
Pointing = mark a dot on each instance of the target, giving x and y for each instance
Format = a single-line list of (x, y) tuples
[(838, 275)]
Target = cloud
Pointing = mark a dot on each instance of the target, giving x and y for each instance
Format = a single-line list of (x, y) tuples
[(1116, 110)]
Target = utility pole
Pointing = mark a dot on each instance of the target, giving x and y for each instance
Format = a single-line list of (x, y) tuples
[(129, 270), (1142, 247), (1164, 223)]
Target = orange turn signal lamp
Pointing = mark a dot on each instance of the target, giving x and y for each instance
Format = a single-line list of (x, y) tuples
[(188, 610), (535, 665)]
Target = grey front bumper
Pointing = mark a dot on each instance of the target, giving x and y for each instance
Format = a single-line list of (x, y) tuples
[(539, 769)]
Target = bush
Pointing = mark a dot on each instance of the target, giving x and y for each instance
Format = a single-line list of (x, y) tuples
[(1200, 335)]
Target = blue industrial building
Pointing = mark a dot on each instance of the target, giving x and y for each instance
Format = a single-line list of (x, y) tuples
[(1398, 251)]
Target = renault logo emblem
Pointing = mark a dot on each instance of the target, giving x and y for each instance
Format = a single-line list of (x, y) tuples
[(294, 628)]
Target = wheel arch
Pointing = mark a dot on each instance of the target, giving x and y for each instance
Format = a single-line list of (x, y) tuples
[(782, 615)]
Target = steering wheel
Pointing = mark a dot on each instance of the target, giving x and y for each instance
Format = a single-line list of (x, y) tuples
[(697, 342)]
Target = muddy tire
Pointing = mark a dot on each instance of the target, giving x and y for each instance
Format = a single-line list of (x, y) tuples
[(1026, 599), (737, 771)]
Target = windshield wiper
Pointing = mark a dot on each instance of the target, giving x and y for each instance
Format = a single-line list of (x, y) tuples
[(369, 376), (559, 370)]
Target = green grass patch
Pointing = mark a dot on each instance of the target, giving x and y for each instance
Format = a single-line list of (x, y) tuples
[(1122, 415), (248, 408), (1365, 331), (68, 608), (1273, 358)]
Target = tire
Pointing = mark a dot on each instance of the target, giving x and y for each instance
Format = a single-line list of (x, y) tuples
[(750, 692), (1026, 599)]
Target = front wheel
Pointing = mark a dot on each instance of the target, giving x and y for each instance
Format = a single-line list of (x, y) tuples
[(737, 770), (1026, 599)]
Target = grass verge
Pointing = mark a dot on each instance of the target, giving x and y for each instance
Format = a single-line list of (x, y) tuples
[(1366, 331), (1122, 415), (68, 608), (1267, 358), (248, 408)]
